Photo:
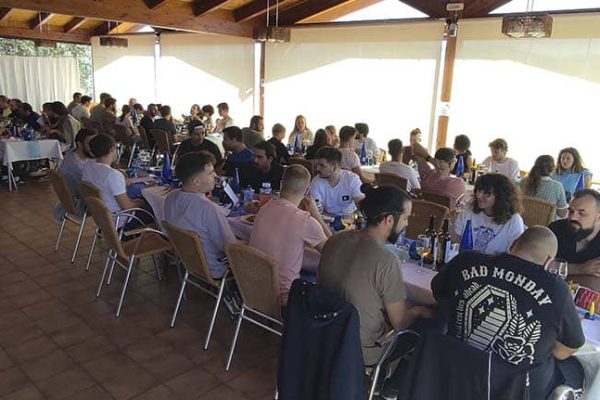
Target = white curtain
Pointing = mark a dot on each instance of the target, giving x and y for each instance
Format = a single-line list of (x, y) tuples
[(37, 80), (125, 72), (384, 76), (207, 69), (539, 94)]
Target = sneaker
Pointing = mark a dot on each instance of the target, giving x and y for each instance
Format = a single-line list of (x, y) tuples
[(232, 301), (389, 393)]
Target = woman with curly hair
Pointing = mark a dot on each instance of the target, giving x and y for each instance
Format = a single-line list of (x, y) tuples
[(494, 215), (569, 168), (539, 184)]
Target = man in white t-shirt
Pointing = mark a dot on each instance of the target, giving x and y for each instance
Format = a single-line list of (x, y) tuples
[(82, 110), (350, 160), (111, 182), (498, 163), (277, 240), (397, 167), (335, 188), (189, 208)]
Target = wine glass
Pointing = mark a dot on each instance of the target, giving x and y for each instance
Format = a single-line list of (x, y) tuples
[(370, 156), (463, 202), (423, 248), (347, 218)]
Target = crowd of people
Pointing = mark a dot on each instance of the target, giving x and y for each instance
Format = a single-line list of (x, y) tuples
[(508, 257)]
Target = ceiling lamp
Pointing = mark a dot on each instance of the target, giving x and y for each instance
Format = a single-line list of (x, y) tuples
[(272, 34), (527, 25)]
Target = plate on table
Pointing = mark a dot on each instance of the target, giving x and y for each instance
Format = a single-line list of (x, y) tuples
[(248, 219)]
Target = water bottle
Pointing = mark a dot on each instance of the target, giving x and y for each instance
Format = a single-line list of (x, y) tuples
[(460, 167), (166, 168), (363, 153), (466, 241), (297, 144), (248, 195), (580, 182), (236, 185)]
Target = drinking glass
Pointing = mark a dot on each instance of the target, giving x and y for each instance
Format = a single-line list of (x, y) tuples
[(370, 157), (559, 267), (423, 248), (463, 202), (347, 218)]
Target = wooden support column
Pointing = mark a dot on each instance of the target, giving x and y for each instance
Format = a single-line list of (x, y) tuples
[(261, 82), (446, 95)]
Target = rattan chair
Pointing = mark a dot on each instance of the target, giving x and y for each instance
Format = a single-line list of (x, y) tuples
[(419, 219), (124, 137), (537, 211), (188, 247), (90, 124), (163, 145), (257, 277), (308, 164), (440, 199), (89, 190), (390, 180), (66, 198), (149, 242)]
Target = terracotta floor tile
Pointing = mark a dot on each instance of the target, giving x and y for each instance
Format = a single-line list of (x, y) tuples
[(168, 365), (105, 367), (222, 393), (12, 319), (129, 382), (47, 366), (193, 383), (65, 384), (147, 348), (92, 393), (73, 334), (160, 392), (12, 380), (44, 309), (28, 392), (31, 349), (91, 349)]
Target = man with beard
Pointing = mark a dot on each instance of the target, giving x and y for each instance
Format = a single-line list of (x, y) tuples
[(579, 238), (369, 276), (264, 170)]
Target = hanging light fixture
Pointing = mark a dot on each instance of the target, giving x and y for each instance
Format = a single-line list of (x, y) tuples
[(527, 25), (113, 41), (273, 34)]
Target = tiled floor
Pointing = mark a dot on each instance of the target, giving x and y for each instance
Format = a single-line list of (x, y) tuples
[(57, 341)]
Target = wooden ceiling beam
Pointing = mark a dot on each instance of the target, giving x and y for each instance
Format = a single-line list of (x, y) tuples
[(433, 8), (179, 16), (73, 24), (5, 12), (23, 32), (202, 7), (341, 11), (105, 28), (153, 4), (307, 9), (253, 9), (482, 8), (40, 19)]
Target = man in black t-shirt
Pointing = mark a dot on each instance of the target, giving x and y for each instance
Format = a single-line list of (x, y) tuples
[(283, 156), (579, 238), (198, 142), (510, 305), (264, 169)]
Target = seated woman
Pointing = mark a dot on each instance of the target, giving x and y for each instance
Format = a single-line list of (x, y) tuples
[(300, 129), (539, 184), (126, 120), (207, 118), (462, 144), (494, 215), (195, 114), (66, 126), (321, 140), (569, 168)]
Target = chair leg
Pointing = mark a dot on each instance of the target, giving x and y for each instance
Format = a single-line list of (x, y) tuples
[(215, 311), (108, 258), (181, 291), (62, 228), (129, 268), (81, 226), (111, 271), (158, 275), (235, 338), (374, 380), (89, 260)]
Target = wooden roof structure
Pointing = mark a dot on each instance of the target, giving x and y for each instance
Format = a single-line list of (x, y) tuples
[(78, 20)]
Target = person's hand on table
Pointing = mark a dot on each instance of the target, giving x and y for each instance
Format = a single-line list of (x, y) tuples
[(309, 204), (592, 268)]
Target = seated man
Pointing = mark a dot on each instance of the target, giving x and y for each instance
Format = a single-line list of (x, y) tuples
[(254, 133), (277, 240), (369, 276), (363, 139), (510, 305), (198, 142), (499, 163), (110, 181), (397, 167), (166, 123), (438, 179), (239, 156), (579, 238), (335, 188), (189, 208), (264, 170), (283, 156), (350, 160)]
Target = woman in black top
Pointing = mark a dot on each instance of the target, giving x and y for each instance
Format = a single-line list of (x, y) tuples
[(462, 145), (321, 140)]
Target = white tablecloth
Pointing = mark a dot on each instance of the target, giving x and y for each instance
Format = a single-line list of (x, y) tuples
[(18, 150)]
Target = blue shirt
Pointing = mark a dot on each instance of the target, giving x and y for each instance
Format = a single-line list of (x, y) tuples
[(569, 180), (238, 160)]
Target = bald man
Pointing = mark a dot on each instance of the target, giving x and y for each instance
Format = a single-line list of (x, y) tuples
[(510, 305)]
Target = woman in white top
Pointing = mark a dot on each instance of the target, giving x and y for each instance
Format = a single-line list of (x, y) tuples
[(494, 215), (539, 184), (397, 167), (301, 129)]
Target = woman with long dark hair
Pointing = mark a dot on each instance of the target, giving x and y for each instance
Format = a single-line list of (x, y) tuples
[(539, 184), (494, 215), (569, 169), (321, 140)]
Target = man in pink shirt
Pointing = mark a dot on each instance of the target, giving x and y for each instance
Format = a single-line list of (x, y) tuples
[(438, 180), (282, 230)]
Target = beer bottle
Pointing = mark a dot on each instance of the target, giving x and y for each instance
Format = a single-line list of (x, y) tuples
[(431, 256), (444, 243)]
